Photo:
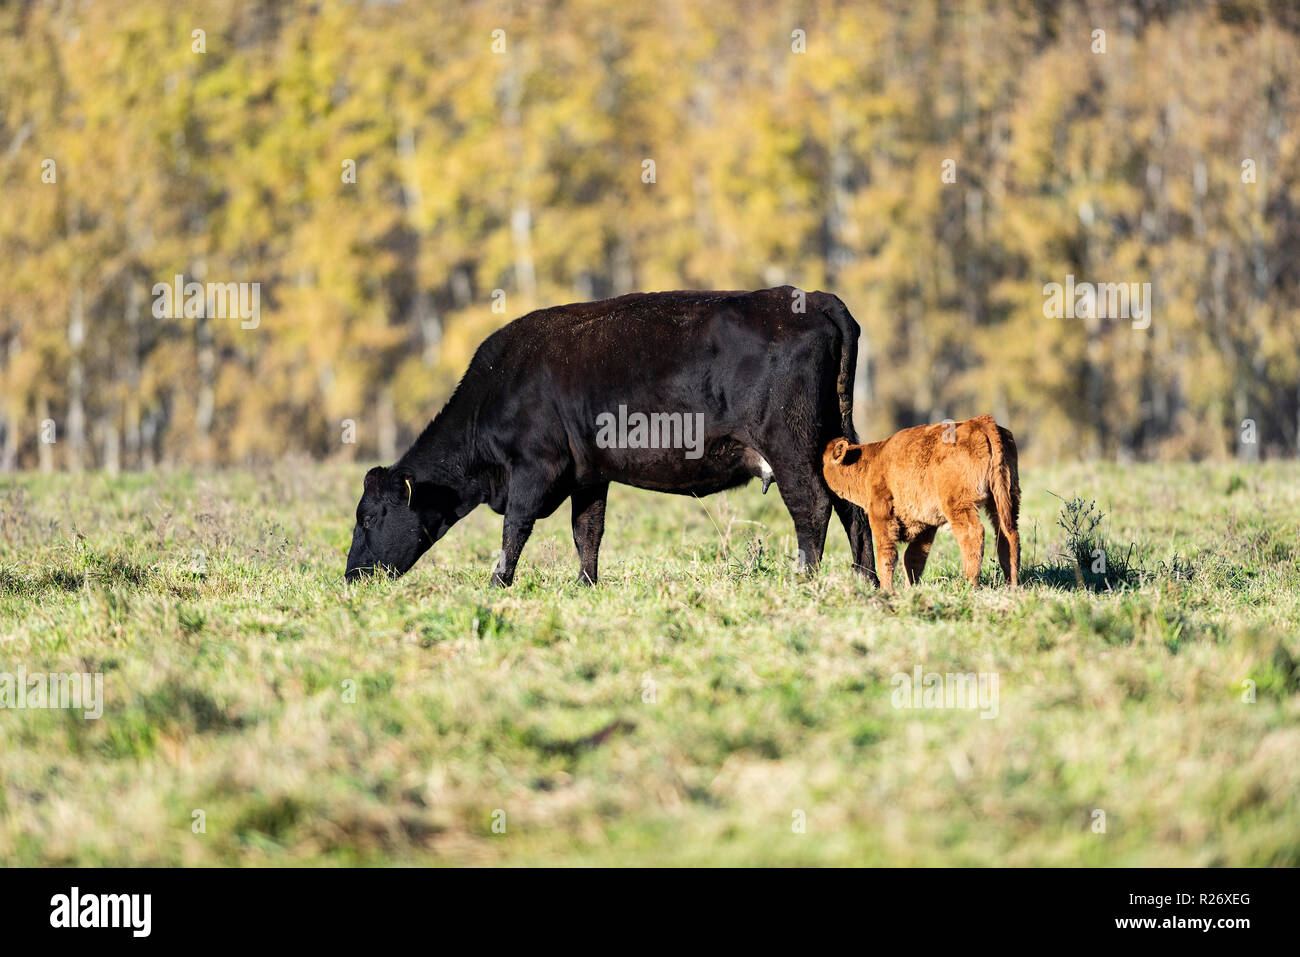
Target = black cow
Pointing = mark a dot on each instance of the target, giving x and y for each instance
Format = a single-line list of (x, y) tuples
[(770, 372)]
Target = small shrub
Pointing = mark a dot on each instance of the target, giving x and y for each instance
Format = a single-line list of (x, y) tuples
[(1090, 560)]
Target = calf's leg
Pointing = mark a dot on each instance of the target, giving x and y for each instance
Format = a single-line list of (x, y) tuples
[(588, 527), (1008, 548), (966, 526), (885, 535), (1010, 562)]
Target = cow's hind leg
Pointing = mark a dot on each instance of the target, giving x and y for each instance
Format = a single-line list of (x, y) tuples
[(588, 527), (918, 552), (858, 529), (808, 501)]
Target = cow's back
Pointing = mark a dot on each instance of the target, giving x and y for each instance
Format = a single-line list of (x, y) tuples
[(634, 338), (754, 367)]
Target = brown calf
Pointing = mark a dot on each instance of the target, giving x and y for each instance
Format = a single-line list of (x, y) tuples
[(918, 479)]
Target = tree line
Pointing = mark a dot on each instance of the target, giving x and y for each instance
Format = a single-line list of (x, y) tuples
[(391, 182)]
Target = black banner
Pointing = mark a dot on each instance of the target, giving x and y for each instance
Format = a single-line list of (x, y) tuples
[(333, 907)]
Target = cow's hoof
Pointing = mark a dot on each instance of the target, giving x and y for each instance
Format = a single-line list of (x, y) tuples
[(498, 582), (584, 580)]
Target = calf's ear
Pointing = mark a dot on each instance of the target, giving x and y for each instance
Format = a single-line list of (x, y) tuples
[(844, 453)]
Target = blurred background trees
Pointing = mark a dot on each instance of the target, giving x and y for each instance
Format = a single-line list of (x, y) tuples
[(389, 172)]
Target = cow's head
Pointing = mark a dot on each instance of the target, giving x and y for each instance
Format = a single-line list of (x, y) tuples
[(398, 520)]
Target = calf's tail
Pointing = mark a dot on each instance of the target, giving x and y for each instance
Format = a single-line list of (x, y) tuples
[(1004, 476)]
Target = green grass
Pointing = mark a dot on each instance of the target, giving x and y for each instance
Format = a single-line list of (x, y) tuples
[(215, 608)]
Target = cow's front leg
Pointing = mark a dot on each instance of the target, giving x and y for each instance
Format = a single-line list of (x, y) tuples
[(532, 495), (513, 538), (588, 527)]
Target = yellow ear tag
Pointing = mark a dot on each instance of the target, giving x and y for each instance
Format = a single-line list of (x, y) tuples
[(408, 492)]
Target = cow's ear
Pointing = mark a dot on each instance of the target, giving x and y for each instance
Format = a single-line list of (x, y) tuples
[(374, 480), (838, 449), (401, 484)]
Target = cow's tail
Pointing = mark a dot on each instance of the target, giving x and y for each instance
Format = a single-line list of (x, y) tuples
[(849, 332), (852, 516), (1004, 475)]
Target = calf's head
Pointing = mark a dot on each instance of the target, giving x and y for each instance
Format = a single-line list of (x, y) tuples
[(398, 520), (844, 470)]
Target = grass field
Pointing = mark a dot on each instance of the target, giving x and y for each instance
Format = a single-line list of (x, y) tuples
[(703, 705)]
